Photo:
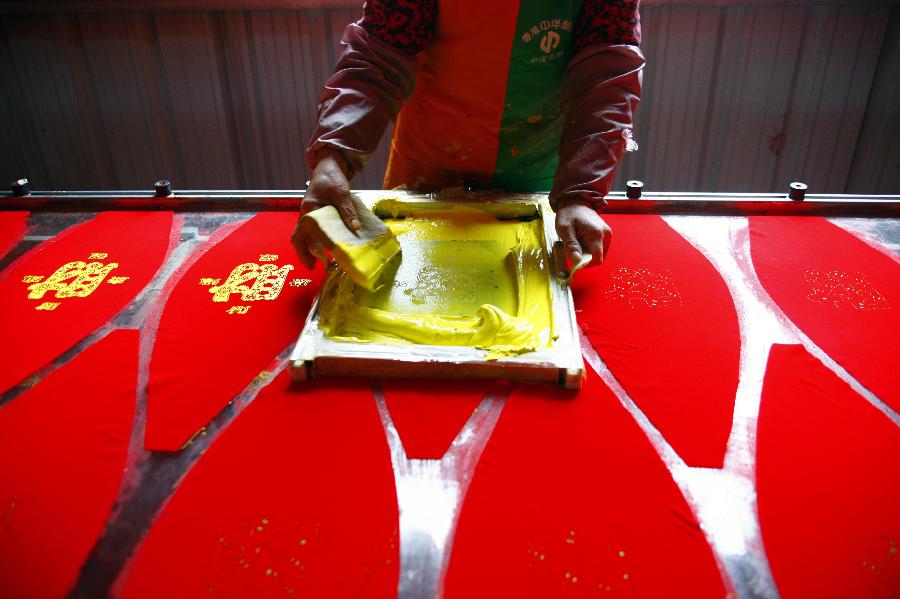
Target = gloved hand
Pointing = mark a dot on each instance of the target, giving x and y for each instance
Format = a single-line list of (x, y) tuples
[(582, 231), (327, 186)]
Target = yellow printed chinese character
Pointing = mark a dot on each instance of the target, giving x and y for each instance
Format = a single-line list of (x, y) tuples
[(268, 281), (300, 282), (116, 280), (98, 256), (268, 257), (32, 279), (209, 281), (73, 279), (238, 309), (48, 306)]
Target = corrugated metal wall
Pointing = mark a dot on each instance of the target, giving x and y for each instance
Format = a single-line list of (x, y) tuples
[(737, 98)]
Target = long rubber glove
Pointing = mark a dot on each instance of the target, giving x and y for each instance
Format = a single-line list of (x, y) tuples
[(369, 85), (601, 90)]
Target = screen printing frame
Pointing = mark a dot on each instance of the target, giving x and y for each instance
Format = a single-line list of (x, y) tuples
[(316, 355)]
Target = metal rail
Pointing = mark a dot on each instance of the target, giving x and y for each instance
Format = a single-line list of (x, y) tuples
[(735, 204)]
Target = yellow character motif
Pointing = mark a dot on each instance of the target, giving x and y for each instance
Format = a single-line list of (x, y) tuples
[(268, 281), (73, 279)]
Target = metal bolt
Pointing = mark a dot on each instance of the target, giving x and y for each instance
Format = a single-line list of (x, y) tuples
[(163, 188), (797, 191), (633, 189), (20, 188)]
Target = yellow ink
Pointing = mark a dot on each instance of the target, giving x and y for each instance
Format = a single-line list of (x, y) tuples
[(464, 278), (73, 279), (643, 288), (268, 281), (844, 289), (368, 260), (32, 279), (48, 306), (268, 257), (238, 310), (98, 256), (300, 282), (208, 281), (116, 280)]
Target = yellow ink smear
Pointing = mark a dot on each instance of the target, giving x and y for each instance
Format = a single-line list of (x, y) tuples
[(463, 278), (368, 260)]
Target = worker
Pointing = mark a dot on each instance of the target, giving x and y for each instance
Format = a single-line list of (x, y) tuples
[(526, 96)]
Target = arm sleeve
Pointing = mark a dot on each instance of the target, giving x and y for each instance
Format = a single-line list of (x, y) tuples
[(601, 90), (375, 74)]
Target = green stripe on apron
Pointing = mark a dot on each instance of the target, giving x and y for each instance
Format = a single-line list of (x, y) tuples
[(531, 124)]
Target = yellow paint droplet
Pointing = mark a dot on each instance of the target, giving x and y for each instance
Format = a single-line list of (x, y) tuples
[(264, 521), (268, 571), (303, 541), (621, 554), (625, 577)]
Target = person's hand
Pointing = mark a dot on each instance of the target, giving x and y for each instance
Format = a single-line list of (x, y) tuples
[(582, 231), (327, 186)]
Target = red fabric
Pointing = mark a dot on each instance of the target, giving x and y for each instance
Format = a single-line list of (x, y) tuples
[(12, 227), (570, 500), (844, 294), (429, 414), (827, 483), (31, 338), (296, 498), (64, 445), (664, 323), (203, 355)]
